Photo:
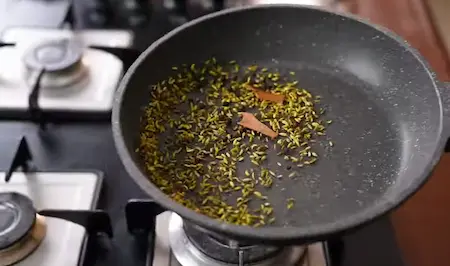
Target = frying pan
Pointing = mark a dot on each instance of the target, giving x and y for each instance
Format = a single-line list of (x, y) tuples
[(385, 103)]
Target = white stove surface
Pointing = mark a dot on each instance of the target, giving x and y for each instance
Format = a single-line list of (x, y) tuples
[(108, 38), (163, 255), (64, 242), (94, 92)]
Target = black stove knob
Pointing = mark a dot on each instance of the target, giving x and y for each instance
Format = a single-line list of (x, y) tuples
[(180, 7), (137, 12), (92, 13), (176, 11), (97, 18), (197, 8), (131, 5), (137, 19), (169, 5), (98, 13)]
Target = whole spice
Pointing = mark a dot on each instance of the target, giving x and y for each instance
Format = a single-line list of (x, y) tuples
[(251, 122), (267, 96), (196, 153), (290, 203)]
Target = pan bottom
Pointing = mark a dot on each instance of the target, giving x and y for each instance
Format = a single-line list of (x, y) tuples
[(350, 175), (361, 165), (187, 253)]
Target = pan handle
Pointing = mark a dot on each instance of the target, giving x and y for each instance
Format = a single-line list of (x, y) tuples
[(444, 89)]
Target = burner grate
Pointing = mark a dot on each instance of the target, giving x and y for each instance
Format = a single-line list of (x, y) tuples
[(164, 234), (187, 253), (56, 75)]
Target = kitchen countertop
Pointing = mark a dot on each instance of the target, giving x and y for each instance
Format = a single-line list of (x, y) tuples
[(438, 10)]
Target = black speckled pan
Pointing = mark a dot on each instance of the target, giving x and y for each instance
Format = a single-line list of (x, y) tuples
[(389, 124)]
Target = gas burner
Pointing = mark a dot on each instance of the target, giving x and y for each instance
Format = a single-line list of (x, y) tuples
[(17, 217), (187, 251), (27, 197), (25, 246), (54, 55), (61, 61), (60, 83), (58, 74), (21, 229), (226, 250)]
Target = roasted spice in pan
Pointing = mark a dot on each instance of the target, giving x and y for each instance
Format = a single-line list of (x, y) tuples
[(194, 147), (290, 203)]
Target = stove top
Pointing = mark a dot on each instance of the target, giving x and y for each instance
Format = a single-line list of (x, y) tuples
[(61, 75), (173, 247), (57, 70), (132, 214), (51, 241)]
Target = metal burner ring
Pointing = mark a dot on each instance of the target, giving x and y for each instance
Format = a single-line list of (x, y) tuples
[(224, 249), (188, 255), (53, 55)]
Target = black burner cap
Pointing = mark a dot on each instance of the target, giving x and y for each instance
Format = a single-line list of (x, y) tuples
[(17, 216), (54, 55)]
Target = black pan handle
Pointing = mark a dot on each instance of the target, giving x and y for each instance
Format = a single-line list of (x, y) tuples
[(444, 88)]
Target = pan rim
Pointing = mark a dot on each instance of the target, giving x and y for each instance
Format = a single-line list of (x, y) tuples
[(275, 234)]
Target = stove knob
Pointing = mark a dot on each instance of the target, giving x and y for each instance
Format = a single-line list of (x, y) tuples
[(137, 12), (137, 20), (169, 5), (97, 18), (91, 13), (99, 13), (130, 5), (197, 8)]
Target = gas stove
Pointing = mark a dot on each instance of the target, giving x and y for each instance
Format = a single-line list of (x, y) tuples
[(46, 216), (177, 245), (55, 218), (56, 71), (42, 214), (65, 198), (30, 238)]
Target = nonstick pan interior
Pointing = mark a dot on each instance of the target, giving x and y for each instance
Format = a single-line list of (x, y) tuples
[(382, 99)]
